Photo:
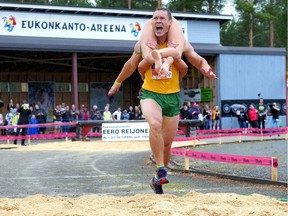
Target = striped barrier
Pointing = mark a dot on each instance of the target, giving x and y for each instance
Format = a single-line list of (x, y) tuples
[(226, 158), (29, 137), (237, 133), (39, 125), (200, 134), (246, 130), (38, 136)]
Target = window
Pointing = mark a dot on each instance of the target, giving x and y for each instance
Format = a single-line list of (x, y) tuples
[(18, 87), (62, 87)]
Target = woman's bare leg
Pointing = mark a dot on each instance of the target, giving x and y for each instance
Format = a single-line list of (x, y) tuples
[(176, 37)]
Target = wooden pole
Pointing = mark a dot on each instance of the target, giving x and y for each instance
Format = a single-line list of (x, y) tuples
[(186, 162), (159, 3), (129, 4)]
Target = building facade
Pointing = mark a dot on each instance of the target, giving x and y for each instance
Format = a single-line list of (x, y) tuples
[(55, 54)]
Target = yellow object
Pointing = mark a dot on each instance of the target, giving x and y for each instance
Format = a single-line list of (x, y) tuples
[(162, 86), (117, 83)]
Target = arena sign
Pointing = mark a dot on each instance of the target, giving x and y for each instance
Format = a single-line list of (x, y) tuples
[(125, 131), (72, 26)]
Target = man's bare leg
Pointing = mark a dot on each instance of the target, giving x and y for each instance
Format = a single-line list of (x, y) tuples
[(176, 36), (169, 129), (153, 115)]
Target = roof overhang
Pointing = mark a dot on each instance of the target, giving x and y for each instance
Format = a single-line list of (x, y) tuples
[(17, 43), (65, 45)]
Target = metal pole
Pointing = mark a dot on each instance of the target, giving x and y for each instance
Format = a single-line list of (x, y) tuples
[(75, 80), (286, 96)]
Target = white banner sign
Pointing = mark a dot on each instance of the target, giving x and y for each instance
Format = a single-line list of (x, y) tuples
[(72, 26), (125, 131)]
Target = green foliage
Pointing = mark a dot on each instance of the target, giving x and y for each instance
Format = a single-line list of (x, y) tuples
[(148, 4), (236, 32), (83, 3), (185, 6), (244, 6), (196, 6), (112, 3), (281, 29)]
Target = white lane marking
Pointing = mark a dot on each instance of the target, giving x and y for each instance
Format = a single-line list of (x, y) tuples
[(64, 177), (93, 164), (74, 194)]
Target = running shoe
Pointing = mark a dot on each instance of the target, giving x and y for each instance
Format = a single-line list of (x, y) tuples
[(161, 177), (156, 188)]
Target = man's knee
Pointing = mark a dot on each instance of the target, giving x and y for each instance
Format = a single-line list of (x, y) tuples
[(155, 127)]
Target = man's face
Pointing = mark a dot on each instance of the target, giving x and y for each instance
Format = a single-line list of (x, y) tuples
[(161, 23)]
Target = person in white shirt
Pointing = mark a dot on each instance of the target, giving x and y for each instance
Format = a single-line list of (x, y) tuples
[(117, 115)]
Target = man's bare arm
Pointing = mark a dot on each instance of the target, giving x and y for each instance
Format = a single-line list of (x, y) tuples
[(182, 67), (128, 69)]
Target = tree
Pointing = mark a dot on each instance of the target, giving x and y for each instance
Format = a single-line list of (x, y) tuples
[(133, 4), (197, 6), (83, 3), (258, 24)]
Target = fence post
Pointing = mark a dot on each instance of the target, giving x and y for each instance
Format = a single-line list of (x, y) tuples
[(186, 162), (66, 137), (261, 137), (274, 167), (239, 138), (8, 139), (194, 141), (220, 138)]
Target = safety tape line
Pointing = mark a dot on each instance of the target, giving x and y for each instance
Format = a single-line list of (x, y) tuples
[(235, 159)]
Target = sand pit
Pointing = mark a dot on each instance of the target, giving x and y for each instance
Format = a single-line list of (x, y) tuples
[(190, 204), (142, 204)]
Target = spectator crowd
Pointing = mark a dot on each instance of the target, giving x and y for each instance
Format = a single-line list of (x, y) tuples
[(63, 113), (255, 116)]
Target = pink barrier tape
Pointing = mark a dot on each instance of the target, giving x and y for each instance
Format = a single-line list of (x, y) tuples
[(71, 135), (178, 152), (95, 134), (235, 159), (39, 125), (264, 134), (178, 139), (38, 136), (180, 132), (208, 136), (230, 135), (237, 130)]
